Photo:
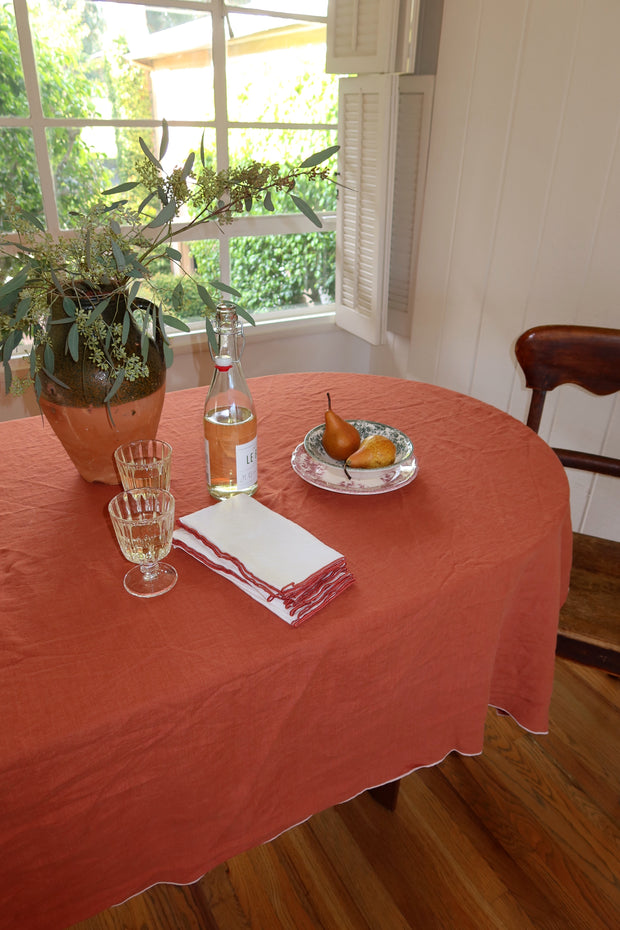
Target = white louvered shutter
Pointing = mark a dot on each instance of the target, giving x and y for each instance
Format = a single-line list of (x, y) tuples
[(364, 215), (361, 36), (384, 124), (415, 97)]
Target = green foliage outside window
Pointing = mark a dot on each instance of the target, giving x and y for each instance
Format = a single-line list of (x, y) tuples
[(271, 271), (64, 84), (294, 270)]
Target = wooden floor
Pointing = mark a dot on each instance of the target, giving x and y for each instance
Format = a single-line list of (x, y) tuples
[(525, 836)]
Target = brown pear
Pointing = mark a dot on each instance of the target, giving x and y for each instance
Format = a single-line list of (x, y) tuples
[(375, 451), (340, 439)]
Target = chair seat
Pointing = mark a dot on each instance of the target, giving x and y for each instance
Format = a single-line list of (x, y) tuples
[(589, 629)]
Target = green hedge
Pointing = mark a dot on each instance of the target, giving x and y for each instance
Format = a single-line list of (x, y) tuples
[(275, 272)]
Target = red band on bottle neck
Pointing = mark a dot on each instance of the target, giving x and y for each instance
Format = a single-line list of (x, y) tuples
[(222, 363)]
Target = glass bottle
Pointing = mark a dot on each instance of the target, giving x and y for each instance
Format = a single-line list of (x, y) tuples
[(229, 414)]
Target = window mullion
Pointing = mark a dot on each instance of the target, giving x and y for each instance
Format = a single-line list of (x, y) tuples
[(36, 121), (221, 112)]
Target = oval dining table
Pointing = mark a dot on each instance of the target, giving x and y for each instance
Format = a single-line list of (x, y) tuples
[(146, 741)]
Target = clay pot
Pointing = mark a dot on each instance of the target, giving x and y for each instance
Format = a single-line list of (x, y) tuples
[(88, 430)]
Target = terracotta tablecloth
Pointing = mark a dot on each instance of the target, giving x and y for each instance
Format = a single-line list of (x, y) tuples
[(148, 741)]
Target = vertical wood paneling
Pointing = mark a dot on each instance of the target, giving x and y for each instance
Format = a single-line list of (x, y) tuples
[(459, 39), (522, 211), (495, 73), (523, 201)]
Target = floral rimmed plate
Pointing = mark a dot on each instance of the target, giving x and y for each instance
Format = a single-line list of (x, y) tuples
[(404, 448), (375, 480)]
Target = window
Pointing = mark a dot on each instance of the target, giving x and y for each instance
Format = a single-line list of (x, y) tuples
[(82, 80)]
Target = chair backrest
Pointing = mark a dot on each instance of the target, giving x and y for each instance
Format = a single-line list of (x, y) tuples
[(585, 355)]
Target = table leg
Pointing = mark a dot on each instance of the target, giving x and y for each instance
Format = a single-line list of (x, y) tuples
[(207, 920), (386, 795)]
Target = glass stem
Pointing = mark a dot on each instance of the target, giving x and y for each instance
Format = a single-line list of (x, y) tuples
[(150, 570)]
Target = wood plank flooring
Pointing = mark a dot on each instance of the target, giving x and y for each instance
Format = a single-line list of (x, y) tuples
[(524, 837)]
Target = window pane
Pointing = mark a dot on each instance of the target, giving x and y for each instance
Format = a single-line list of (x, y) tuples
[(87, 161), (276, 72), (123, 61), (201, 260), (80, 169), (289, 148), (271, 272), (282, 272), (182, 141), (13, 100), (18, 172), (180, 64)]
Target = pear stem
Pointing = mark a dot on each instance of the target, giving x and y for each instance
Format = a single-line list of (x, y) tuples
[(329, 401)]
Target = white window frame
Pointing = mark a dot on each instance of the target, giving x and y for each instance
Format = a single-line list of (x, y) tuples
[(38, 123)]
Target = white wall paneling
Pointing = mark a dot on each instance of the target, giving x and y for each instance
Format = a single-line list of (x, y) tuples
[(522, 211)]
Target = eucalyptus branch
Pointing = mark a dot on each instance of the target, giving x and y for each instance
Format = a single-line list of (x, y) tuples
[(115, 251)]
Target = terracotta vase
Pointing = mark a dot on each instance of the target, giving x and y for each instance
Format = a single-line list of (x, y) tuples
[(82, 422)]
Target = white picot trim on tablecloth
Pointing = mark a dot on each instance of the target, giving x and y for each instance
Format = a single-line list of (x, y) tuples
[(426, 765)]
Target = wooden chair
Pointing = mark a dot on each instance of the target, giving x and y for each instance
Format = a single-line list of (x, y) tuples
[(589, 628)]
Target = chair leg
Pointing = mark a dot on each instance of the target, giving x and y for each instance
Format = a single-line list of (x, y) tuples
[(596, 656), (386, 795)]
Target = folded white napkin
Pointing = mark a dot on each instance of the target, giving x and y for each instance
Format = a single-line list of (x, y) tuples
[(272, 559)]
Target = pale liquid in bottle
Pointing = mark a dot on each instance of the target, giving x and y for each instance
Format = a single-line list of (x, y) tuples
[(230, 445)]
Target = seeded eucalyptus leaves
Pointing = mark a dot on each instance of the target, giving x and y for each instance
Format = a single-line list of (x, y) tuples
[(73, 279)]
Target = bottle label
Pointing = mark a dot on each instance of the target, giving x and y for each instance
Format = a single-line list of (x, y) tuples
[(247, 464)]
